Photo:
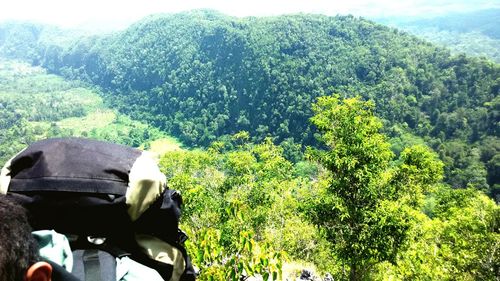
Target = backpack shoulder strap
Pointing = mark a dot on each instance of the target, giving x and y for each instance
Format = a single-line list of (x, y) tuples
[(94, 265)]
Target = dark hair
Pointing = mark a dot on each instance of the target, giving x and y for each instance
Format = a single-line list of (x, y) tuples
[(18, 249)]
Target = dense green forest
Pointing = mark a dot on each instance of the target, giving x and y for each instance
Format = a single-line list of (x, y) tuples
[(474, 33), (354, 210), (202, 75), (35, 105), (329, 143)]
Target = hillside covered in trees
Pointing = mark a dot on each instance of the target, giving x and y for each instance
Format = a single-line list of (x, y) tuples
[(202, 75), (309, 137)]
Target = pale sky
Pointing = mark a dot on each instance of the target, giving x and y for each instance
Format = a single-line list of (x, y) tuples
[(73, 13)]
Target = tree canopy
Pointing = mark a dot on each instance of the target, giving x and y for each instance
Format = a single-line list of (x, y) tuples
[(368, 203), (201, 75), (367, 210)]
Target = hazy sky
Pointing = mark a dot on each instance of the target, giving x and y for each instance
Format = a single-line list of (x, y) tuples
[(71, 13)]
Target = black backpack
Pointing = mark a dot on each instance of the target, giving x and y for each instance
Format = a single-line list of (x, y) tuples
[(86, 189)]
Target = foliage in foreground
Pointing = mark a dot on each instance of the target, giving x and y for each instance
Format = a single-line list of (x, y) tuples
[(232, 201), (457, 239), (249, 211), (368, 209)]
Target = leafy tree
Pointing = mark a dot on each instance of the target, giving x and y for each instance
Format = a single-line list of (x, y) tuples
[(366, 210)]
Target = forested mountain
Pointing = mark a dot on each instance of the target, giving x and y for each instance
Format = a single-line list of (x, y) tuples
[(366, 202), (201, 75), (474, 33)]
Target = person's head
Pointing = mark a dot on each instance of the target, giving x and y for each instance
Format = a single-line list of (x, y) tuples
[(18, 249)]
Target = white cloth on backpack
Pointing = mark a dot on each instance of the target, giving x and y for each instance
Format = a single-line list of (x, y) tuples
[(146, 184), (5, 176), (130, 270), (162, 251)]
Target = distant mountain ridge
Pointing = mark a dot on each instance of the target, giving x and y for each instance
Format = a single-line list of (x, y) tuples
[(202, 75), (475, 33), (483, 21)]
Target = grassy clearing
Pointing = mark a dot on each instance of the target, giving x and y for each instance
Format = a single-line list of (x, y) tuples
[(94, 120), (164, 145), (19, 69), (46, 105)]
